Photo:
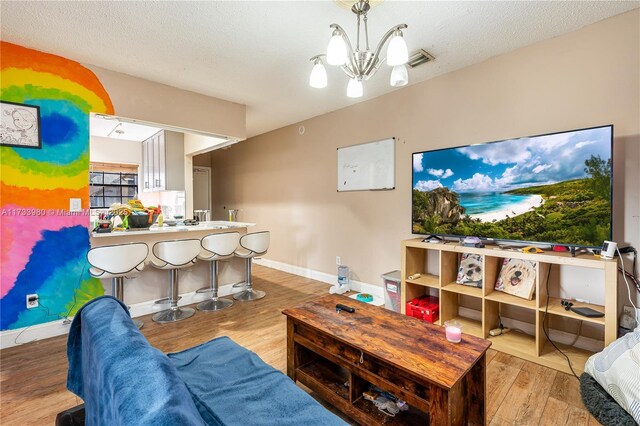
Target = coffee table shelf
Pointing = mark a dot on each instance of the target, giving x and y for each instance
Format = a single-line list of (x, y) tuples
[(323, 374), (404, 418)]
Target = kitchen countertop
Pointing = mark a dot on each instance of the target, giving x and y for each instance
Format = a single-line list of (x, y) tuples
[(154, 229)]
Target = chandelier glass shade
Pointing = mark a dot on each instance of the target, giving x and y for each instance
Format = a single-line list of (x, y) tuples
[(337, 50), (399, 76), (360, 64), (354, 88), (318, 78)]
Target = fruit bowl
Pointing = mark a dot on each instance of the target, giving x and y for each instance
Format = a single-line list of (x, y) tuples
[(141, 221)]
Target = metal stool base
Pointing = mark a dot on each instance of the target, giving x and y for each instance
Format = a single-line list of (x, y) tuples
[(138, 323), (166, 300), (214, 305), (173, 315), (248, 295)]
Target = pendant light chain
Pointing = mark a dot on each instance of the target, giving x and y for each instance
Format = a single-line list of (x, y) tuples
[(366, 30), (358, 35)]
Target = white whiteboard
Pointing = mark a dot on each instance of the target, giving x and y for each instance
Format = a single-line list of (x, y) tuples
[(367, 166)]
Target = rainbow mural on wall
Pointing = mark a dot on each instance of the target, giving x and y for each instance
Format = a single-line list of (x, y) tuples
[(43, 246)]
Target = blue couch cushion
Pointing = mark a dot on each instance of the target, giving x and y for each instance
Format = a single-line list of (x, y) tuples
[(233, 386), (120, 377)]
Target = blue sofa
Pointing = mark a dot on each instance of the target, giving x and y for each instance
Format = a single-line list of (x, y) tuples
[(125, 381)]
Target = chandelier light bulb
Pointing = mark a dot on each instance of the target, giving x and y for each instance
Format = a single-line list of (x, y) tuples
[(318, 78), (354, 88), (399, 76), (337, 50), (397, 52)]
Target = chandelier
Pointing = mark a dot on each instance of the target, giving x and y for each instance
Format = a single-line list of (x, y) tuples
[(360, 65)]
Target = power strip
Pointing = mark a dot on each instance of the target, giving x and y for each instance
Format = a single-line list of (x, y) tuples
[(499, 331)]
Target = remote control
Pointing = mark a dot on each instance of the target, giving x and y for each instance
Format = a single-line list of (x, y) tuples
[(341, 307)]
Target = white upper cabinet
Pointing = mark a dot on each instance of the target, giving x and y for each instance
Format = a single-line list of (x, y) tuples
[(163, 162)]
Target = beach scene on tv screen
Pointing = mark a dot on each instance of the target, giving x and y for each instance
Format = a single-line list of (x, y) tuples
[(553, 188)]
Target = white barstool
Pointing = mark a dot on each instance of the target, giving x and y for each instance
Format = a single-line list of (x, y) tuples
[(172, 256), (216, 247), (251, 245), (118, 262)]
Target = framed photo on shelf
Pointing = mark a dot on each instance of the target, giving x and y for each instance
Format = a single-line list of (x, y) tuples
[(470, 270), (517, 277), (20, 125)]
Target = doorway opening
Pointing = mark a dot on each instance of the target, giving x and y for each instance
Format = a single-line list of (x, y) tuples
[(202, 192)]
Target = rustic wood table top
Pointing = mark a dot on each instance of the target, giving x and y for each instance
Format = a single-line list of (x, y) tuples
[(412, 345)]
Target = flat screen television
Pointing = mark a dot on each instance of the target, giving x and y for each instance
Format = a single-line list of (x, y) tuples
[(548, 189)]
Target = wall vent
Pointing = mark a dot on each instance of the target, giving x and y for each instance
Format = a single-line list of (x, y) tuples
[(419, 57)]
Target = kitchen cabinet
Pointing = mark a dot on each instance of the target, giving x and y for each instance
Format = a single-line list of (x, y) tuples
[(163, 162)]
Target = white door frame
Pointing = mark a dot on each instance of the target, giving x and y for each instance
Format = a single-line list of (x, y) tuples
[(210, 187)]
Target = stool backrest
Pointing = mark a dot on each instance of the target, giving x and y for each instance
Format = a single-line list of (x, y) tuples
[(257, 242), (177, 253), (118, 259), (223, 244)]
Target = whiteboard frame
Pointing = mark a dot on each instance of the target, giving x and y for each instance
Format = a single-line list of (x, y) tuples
[(392, 168)]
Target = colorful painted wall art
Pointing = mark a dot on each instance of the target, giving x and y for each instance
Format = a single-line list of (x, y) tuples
[(44, 246)]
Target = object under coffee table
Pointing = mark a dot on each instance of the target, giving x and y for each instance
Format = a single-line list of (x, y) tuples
[(340, 354)]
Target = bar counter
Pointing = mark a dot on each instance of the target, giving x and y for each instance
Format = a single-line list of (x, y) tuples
[(216, 225), (153, 284)]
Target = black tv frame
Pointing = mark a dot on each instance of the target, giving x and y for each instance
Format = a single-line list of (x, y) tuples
[(572, 247)]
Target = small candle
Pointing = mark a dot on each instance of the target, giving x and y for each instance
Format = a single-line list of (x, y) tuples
[(453, 331)]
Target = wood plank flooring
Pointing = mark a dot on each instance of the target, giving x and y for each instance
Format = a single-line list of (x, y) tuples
[(33, 375)]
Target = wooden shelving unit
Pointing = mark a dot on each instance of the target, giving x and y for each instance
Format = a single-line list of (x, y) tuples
[(535, 347)]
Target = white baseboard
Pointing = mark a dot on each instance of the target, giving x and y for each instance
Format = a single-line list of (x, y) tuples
[(20, 336), (150, 307), (354, 285)]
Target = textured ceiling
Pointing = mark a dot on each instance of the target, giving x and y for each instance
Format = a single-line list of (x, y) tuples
[(256, 53)]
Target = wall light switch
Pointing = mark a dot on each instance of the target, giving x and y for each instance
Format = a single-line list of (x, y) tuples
[(75, 204)]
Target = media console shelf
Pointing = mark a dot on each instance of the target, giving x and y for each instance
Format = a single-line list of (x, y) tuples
[(535, 347)]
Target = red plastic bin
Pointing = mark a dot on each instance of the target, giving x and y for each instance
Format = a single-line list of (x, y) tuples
[(426, 308)]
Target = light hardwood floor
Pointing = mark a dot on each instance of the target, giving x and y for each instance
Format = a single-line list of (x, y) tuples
[(33, 375)]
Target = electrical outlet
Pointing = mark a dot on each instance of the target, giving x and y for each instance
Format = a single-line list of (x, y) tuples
[(75, 204), (338, 261), (32, 301)]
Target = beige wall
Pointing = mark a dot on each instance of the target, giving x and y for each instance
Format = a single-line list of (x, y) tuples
[(202, 160), (151, 102), (286, 182), (111, 150)]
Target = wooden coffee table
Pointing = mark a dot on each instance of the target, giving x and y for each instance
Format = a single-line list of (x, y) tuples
[(339, 355)]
